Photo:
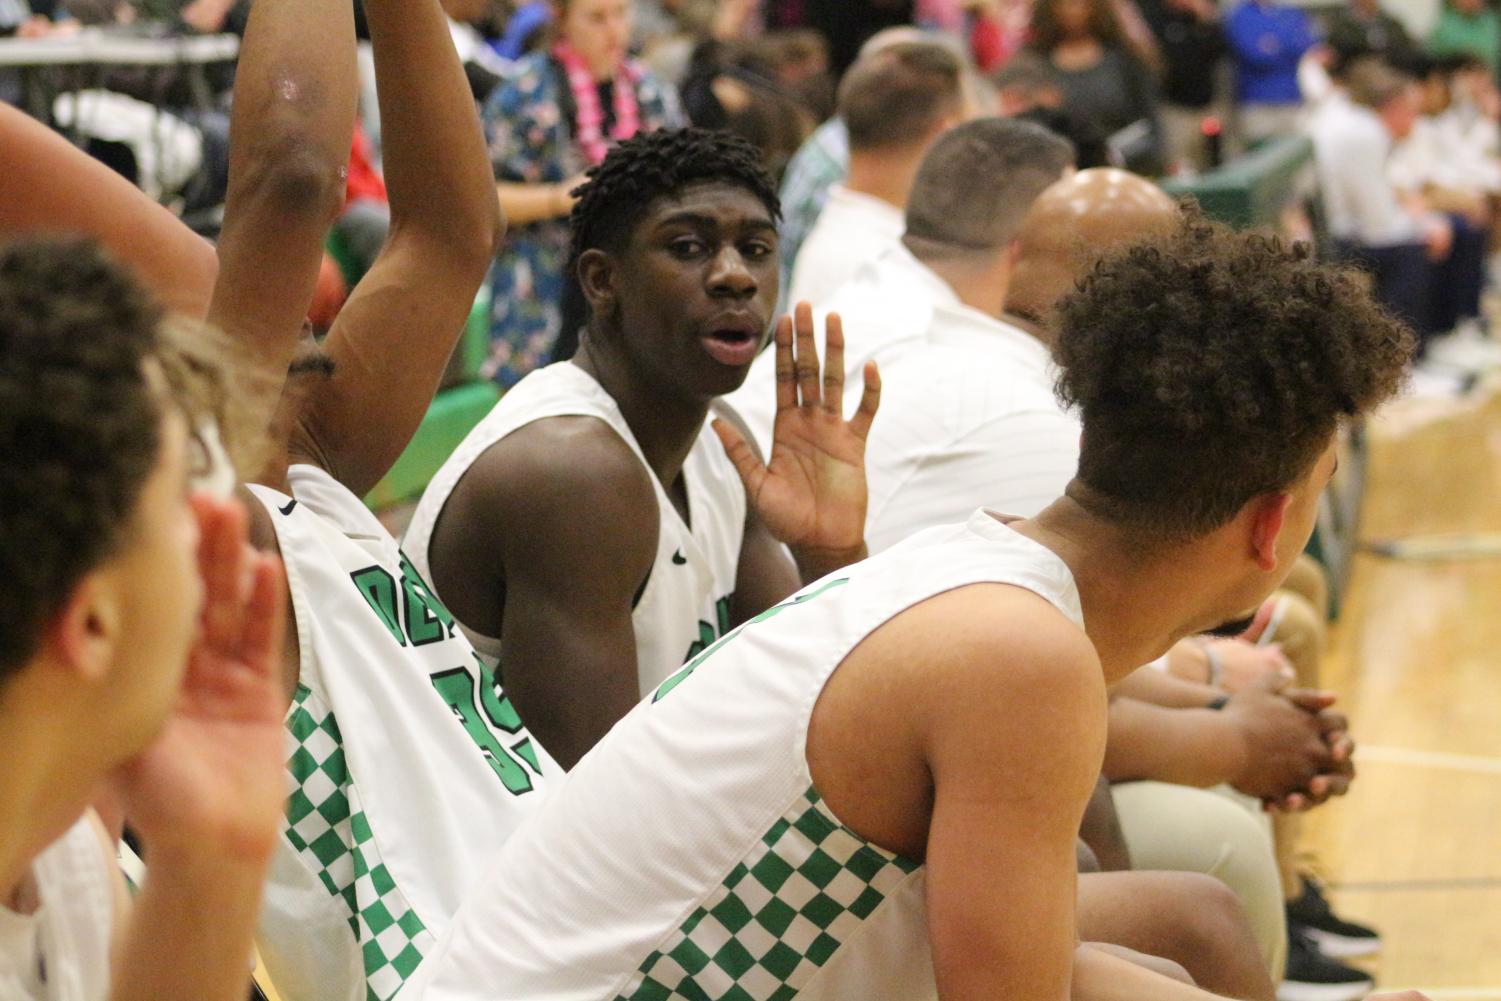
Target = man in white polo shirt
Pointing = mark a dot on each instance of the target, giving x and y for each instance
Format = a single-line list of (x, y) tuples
[(896, 296), (894, 102)]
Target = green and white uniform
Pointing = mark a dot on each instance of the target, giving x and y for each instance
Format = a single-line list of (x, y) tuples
[(688, 856), (685, 605), (406, 765)]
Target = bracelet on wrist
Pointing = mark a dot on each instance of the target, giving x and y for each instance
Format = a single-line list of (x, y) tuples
[(1216, 666)]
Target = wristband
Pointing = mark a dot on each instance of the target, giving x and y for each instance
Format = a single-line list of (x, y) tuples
[(1216, 666)]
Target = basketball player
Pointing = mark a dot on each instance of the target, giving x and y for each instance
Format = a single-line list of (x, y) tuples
[(872, 789), (592, 533), (404, 761), (139, 649)]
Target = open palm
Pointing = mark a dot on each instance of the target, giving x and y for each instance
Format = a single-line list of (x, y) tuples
[(216, 768), (811, 494)]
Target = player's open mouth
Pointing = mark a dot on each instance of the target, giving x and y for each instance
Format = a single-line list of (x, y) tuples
[(734, 347)]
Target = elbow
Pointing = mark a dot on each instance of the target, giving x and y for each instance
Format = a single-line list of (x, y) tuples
[(295, 177)]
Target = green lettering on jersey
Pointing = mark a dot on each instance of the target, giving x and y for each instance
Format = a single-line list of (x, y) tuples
[(379, 589), (707, 634), (427, 621), (772, 612), (457, 688)]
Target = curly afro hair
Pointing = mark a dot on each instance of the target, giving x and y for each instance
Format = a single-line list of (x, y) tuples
[(79, 425), (1211, 367), (652, 164)]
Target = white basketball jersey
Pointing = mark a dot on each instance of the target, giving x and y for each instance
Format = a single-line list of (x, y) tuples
[(688, 856), (685, 605), (406, 765), (61, 951)]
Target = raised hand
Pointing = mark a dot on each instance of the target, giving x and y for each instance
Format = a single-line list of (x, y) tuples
[(811, 494), (212, 781)]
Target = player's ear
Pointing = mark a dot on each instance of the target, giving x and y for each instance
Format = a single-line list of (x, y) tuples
[(84, 632), (599, 280), (1268, 517)]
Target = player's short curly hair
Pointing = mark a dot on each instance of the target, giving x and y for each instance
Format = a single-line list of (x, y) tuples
[(642, 169), (1210, 367), (79, 425)]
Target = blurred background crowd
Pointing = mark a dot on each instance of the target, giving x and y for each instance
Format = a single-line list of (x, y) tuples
[(1172, 89)]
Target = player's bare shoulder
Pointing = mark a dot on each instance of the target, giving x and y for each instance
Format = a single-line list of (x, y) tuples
[(955, 676)]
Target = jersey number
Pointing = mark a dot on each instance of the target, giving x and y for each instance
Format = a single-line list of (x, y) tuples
[(459, 689)]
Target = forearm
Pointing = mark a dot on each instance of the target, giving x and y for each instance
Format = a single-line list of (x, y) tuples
[(289, 144), (54, 187), (1147, 684), (436, 166), (529, 203), (192, 926), (1194, 747), (1102, 975), (393, 339)]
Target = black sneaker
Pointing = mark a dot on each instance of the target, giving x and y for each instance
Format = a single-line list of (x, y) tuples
[(1312, 976), (1334, 936)]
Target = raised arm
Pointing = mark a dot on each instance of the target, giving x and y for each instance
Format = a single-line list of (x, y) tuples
[(567, 516), (394, 336), (52, 186), (289, 144)]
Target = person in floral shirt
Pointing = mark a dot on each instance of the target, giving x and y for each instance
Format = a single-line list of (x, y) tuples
[(553, 118)]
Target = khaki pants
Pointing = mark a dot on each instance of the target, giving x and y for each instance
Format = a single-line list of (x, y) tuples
[(1216, 832)]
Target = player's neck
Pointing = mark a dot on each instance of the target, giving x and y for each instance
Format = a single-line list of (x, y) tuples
[(47, 788), (1137, 602), (664, 424)]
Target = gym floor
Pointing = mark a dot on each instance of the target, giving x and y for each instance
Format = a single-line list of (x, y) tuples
[(1415, 848)]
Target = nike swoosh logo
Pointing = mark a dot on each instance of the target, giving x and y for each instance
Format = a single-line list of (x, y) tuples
[(678, 559), (288, 508)]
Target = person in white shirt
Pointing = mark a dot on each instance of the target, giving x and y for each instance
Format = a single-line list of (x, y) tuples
[(140, 654), (1401, 243), (894, 102), (1444, 166), (891, 297)]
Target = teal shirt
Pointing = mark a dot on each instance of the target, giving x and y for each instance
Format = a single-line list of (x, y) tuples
[(1468, 34)]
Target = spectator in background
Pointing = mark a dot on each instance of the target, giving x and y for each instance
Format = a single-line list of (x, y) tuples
[(1436, 166), (739, 89), (1192, 41), (1267, 41), (1364, 29), (1468, 27), (1027, 88), (1404, 245), (1107, 86), (894, 104), (555, 116), (818, 165)]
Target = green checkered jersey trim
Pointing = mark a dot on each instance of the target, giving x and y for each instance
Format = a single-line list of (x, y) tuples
[(328, 828), (778, 917)]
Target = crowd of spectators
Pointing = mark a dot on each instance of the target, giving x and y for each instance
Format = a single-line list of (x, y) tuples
[(1159, 87)]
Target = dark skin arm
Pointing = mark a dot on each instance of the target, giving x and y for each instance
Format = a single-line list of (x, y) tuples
[(1264, 743), (289, 141), (394, 336), (535, 504)]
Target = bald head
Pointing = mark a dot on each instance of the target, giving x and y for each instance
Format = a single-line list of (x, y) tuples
[(1073, 224)]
